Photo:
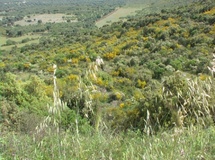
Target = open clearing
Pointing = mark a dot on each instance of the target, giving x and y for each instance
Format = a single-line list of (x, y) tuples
[(18, 40), (118, 14), (8, 48), (2, 40), (149, 6), (46, 18)]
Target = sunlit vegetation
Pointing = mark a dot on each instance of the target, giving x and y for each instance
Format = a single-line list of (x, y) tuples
[(118, 14), (9, 43), (81, 91), (45, 18)]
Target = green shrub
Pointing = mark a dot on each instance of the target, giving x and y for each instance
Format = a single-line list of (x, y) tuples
[(10, 42), (9, 116)]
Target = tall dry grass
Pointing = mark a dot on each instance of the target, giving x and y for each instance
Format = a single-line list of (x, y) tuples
[(51, 124)]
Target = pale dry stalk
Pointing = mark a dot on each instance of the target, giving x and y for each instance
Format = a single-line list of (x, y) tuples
[(53, 119)]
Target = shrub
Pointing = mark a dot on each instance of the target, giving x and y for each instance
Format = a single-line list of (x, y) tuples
[(189, 100), (25, 40), (10, 42), (11, 89), (9, 115)]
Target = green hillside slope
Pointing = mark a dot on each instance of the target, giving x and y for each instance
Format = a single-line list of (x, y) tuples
[(157, 80)]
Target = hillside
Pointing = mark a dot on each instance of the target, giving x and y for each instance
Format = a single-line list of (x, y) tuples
[(157, 80), (131, 8)]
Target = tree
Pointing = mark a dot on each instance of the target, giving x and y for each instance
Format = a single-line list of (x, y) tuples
[(39, 21)]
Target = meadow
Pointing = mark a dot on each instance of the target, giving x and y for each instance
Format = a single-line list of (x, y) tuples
[(132, 7), (45, 18), (34, 38), (193, 143), (118, 14)]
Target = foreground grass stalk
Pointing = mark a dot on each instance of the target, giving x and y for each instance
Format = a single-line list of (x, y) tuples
[(91, 110), (53, 120), (58, 106)]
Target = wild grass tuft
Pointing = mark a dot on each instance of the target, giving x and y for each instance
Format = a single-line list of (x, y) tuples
[(191, 143), (51, 124)]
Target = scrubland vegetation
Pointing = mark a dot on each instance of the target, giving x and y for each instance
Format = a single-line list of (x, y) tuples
[(138, 88)]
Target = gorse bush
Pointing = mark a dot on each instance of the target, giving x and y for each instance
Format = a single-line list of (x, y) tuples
[(180, 100)]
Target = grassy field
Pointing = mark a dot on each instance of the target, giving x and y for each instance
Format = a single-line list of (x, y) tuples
[(2, 40), (18, 40), (7, 48), (45, 18), (117, 15), (148, 6), (181, 144)]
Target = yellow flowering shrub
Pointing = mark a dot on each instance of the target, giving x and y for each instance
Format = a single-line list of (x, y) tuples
[(99, 81), (50, 69), (138, 95), (133, 113), (2, 64), (75, 60), (122, 105), (72, 77), (27, 65), (203, 77), (110, 55), (141, 84), (87, 59), (132, 32), (118, 96), (82, 58), (210, 12), (115, 73), (145, 38), (212, 31), (49, 91), (99, 96)]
